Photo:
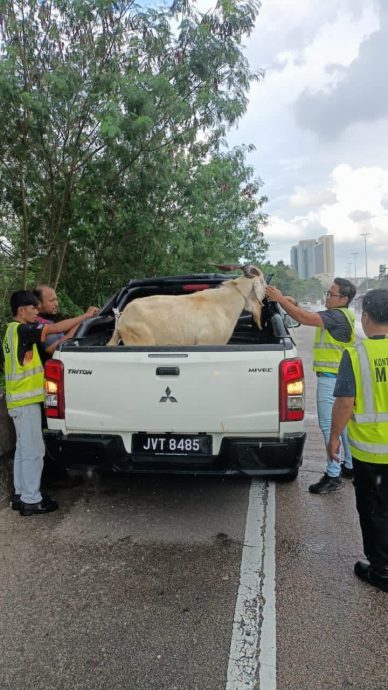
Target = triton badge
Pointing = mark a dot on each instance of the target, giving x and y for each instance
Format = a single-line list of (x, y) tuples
[(80, 371)]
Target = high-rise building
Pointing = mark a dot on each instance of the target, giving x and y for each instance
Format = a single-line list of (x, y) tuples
[(314, 257), (294, 259)]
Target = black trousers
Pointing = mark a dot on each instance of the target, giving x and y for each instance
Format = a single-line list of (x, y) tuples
[(371, 485)]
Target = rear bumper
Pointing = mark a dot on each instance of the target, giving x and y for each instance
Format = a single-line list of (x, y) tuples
[(238, 456)]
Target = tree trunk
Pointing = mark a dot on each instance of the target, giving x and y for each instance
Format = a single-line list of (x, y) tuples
[(60, 263), (24, 226)]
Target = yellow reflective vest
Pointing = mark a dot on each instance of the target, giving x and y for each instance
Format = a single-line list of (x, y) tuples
[(368, 426), (328, 351), (23, 382)]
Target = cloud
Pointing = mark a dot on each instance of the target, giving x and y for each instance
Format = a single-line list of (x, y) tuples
[(350, 203), (360, 216), (310, 198), (322, 56), (359, 95)]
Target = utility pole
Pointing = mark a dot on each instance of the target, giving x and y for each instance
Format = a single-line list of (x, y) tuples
[(365, 235), (354, 254)]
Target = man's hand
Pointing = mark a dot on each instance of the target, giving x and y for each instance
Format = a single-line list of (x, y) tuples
[(333, 448), (93, 311), (273, 293), (307, 318)]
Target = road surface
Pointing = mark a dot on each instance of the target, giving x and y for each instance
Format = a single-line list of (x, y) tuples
[(192, 584)]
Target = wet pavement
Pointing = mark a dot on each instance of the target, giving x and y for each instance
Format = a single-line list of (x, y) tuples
[(332, 628), (132, 584)]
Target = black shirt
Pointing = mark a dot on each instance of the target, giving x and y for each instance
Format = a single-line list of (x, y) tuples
[(335, 321), (30, 334), (345, 386)]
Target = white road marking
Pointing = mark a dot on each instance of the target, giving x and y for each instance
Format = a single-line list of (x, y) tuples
[(268, 627), (252, 656)]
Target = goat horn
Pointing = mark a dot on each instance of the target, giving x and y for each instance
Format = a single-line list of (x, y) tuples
[(227, 267)]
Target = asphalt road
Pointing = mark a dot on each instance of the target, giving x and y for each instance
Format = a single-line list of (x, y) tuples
[(132, 584)]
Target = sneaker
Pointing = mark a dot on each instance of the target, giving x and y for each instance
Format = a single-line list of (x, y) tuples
[(46, 505), (326, 485), (372, 574), (347, 472)]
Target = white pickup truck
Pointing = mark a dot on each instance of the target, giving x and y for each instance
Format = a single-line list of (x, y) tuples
[(233, 409)]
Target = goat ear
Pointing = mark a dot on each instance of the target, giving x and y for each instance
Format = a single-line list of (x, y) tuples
[(255, 308), (259, 289)]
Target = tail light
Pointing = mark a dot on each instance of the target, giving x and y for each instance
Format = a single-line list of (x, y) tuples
[(195, 287), (291, 390), (54, 403)]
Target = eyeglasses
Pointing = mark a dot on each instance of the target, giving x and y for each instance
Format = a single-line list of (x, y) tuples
[(333, 294)]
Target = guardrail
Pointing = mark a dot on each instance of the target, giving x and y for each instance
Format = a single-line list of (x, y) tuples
[(7, 445)]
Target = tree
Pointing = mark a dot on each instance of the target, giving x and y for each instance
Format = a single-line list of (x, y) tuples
[(286, 279), (113, 119)]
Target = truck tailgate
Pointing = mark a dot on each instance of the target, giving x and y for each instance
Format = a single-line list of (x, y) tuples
[(234, 391)]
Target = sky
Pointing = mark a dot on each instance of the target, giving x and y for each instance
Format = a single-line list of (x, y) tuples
[(319, 122)]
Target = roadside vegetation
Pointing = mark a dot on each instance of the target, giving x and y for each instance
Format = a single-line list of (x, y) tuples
[(112, 162)]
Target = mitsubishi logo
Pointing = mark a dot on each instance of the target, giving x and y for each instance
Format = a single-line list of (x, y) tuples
[(168, 396)]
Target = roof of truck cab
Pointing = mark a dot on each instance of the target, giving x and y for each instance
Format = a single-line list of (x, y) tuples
[(195, 277)]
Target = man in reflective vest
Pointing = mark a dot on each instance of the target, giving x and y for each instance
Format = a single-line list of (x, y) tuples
[(334, 332), (24, 395), (362, 403)]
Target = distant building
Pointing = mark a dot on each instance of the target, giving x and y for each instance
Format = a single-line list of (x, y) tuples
[(314, 258)]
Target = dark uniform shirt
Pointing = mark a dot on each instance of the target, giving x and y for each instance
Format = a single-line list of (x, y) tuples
[(337, 324), (30, 334), (345, 386)]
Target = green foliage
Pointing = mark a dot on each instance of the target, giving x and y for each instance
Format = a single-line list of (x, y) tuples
[(285, 278), (112, 126)]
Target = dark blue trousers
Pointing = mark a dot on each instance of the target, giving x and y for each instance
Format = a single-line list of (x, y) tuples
[(371, 485)]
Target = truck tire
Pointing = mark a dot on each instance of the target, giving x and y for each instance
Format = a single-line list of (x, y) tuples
[(290, 476)]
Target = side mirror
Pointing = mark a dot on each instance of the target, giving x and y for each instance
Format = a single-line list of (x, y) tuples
[(289, 322)]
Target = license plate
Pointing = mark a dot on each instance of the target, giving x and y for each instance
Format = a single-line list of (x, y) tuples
[(171, 444)]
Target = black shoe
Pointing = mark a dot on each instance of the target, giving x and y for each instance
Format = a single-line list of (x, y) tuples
[(46, 505), (326, 485), (372, 574), (15, 505), (16, 501), (347, 472)]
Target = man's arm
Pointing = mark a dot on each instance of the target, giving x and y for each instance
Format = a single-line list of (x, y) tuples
[(70, 334), (68, 325), (307, 318), (342, 411)]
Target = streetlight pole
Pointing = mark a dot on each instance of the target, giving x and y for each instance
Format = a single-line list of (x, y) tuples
[(365, 235), (354, 254)]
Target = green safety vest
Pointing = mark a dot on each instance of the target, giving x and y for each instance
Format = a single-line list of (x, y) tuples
[(23, 382), (368, 426), (328, 351)]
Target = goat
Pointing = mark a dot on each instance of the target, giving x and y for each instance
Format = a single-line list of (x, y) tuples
[(207, 317)]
